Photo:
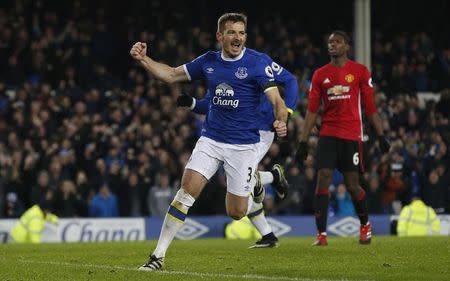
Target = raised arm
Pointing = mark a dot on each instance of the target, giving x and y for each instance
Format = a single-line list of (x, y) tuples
[(161, 71)]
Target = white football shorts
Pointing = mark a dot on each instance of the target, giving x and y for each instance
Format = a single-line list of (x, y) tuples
[(266, 140), (239, 162)]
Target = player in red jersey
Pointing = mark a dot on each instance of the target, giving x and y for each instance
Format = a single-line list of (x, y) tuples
[(342, 86)]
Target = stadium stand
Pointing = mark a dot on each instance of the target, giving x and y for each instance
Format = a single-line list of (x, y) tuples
[(76, 113)]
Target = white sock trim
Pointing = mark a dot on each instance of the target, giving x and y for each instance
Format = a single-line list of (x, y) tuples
[(266, 177), (184, 198)]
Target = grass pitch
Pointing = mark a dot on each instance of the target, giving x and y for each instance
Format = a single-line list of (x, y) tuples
[(387, 258)]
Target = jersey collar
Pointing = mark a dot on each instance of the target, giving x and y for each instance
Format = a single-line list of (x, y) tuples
[(233, 59)]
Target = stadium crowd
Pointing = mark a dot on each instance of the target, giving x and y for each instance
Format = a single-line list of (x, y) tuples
[(82, 126)]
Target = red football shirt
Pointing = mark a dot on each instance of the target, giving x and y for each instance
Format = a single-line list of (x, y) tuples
[(341, 91)]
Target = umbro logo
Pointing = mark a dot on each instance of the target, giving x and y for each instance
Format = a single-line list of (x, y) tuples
[(191, 230), (278, 227), (326, 81), (209, 70), (345, 227)]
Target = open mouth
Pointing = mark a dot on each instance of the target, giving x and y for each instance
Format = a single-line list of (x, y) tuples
[(235, 45)]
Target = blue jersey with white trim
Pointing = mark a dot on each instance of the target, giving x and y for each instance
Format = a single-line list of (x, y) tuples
[(236, 86), (266, 117)]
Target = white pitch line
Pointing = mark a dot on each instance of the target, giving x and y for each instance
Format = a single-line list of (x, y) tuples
[(175, 272)]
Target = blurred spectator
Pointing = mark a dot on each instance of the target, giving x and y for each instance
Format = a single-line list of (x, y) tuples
[(31, 224), (343, 202), (310, 189), (396, 188), (374, 196), (13, 207), (417, 219), (39, 191), (68, 203), (104, 203), (114, 177), (160, 196), (435, 192), (130, 196), (84, 189), (55, 177)]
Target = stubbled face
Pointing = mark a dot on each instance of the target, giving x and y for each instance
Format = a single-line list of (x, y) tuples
[(337, 47), (232, 38)]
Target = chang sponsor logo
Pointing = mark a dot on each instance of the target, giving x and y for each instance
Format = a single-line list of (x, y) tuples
[(224, 96), (91, 231)]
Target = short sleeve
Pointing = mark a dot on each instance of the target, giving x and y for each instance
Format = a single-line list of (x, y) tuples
[(194, 69)]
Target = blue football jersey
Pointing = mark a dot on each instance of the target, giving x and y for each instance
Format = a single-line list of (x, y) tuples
[(266, 117), (236, 86)]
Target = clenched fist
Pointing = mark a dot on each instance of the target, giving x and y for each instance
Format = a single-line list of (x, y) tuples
[(280, 128), (139, 51)]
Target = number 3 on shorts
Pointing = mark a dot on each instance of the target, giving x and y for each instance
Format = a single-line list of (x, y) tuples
[(356, 159), (249, 174)]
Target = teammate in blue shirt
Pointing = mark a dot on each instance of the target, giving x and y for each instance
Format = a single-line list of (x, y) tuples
[(265, 120), (237, 76)]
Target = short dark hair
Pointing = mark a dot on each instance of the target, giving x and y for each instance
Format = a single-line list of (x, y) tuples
[(233, 17), (343, 34)]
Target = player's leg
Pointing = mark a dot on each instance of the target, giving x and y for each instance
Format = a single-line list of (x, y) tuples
[(237, 206), (256, 215), (240, 163), (200, 168), (277, 178), (351, 157), (192, 183), (276, 175), (321, 201), (259, 190), (259, 220), (359, 201), (326, 158)]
